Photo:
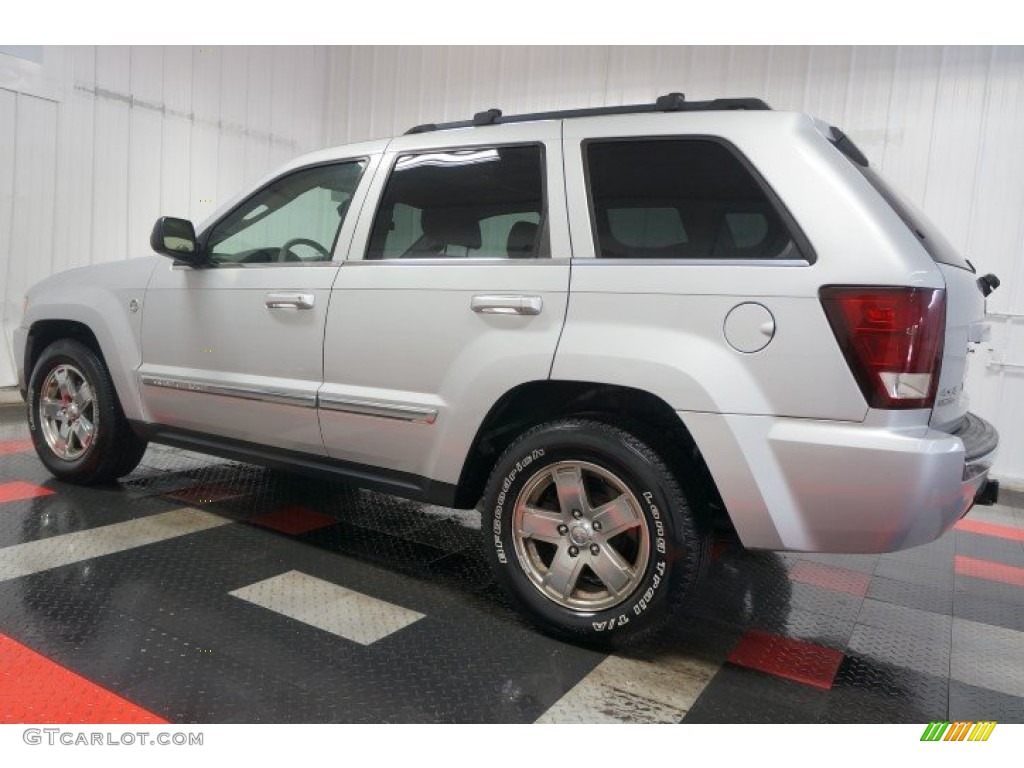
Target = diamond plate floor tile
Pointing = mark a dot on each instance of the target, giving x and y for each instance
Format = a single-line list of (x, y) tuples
[(937, 599), (914, 573), (321, 604), (994, 549), (970, 703), (986, 611), (739, 695), (630, 690), (987, 656), (158, 624), (785, 657), (868, 691)]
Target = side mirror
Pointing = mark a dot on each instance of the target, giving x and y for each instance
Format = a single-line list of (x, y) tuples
[(175, 238)]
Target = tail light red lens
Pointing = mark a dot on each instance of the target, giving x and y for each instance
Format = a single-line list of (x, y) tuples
[(892, 339)]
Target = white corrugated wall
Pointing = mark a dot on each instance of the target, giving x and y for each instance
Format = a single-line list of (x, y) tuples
[(945, 124), (96, 142)]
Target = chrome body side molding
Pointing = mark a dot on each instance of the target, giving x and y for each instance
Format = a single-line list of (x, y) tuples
[(381, 410), (295, 398), (279, 396)]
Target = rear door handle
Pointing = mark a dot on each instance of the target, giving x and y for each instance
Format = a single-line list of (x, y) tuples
[(507, 305), (290, 300)]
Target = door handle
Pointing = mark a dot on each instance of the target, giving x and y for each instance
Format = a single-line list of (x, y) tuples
[(290, 300), (507, 305)]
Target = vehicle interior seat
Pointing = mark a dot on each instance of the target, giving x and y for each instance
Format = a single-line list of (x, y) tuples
[(522, 240)]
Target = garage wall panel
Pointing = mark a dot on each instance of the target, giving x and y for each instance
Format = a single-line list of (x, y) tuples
[(956, 138), (35, 165), (144, 159), (869, 98), (943, 123), (10, 308), (126, 133), (96, 142), (258, 108), (73, 224)]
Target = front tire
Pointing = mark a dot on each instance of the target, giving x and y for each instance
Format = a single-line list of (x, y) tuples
[(590, 533), (75, 420)]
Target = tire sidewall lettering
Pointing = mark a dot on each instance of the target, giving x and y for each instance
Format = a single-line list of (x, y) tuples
[(499, 507), (31, 406), (657, 570)]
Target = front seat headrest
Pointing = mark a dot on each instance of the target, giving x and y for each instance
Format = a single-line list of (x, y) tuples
[(452, 226), (522, 240)]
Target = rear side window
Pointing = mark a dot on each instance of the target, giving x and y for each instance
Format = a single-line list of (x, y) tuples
[(467, 203), (681, 199)]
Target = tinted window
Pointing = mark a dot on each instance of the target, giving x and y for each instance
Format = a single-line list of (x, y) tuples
[(680, 199), (293, 219), (467, 203)]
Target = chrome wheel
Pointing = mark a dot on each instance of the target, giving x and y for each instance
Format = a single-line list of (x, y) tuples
[(580, 536), (67, 412)]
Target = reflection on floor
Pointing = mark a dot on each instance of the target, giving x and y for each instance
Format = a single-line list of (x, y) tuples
[(200, 590)]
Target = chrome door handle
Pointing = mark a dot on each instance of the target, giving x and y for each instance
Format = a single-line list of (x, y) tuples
[(507, 305), (290, 300)]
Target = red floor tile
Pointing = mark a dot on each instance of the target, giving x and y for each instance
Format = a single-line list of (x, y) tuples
[(204, 494), (986, 569), (7, 447), (293, 520), (830, 577), (17, 490), (991, 529), (34, 689), (785, 657)]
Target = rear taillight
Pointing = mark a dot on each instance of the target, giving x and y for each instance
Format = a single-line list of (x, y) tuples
[(892, 339)]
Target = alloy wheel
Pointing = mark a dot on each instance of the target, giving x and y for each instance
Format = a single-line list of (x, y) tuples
[(581, 536)]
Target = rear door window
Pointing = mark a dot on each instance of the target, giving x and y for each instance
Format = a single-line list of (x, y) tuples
[(463, 203), (681, 199)]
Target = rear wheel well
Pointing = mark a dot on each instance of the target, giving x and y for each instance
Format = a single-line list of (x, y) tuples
[(43, 333), (647, 416)]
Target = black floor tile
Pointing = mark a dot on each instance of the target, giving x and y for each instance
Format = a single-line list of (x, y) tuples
[(972, 587), (998, 612), (740, 695), (869, 691), (992, 548), (967, 702), (157, 624), (937, 599)]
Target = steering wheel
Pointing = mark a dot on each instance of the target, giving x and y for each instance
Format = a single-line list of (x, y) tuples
[(286, 249)]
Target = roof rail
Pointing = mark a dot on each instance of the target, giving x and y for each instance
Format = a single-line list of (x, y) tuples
[(670, 102)]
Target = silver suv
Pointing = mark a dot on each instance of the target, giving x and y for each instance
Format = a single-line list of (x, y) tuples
[(615, 331)]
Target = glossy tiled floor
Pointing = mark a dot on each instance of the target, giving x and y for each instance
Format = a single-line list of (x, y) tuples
[(207, 591)]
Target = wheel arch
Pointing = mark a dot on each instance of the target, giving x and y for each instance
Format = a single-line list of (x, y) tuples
[(646, 415), (43, 333), (91, 329)]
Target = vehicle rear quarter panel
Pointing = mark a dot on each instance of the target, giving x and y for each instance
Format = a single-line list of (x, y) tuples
[(659, 326)]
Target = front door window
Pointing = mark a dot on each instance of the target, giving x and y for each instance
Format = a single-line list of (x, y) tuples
[(295, 219)]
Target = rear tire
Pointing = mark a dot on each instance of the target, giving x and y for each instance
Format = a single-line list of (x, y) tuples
[(590, 533), (75, 420)]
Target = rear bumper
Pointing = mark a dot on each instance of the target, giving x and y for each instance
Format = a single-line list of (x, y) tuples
[(818, 486)]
